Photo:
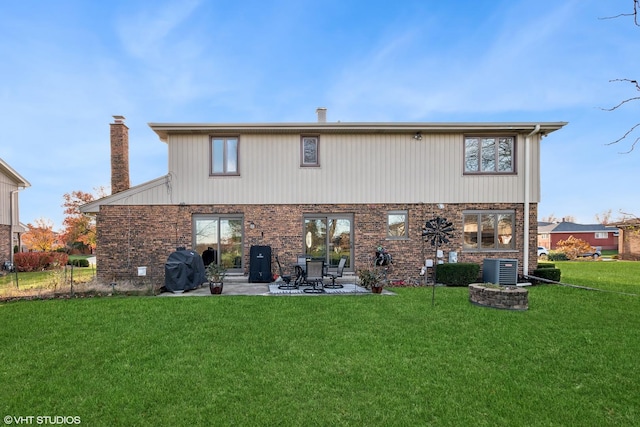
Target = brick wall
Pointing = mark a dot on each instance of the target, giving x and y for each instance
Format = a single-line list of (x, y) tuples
[(5, 243), (629, 248), (132, 236)]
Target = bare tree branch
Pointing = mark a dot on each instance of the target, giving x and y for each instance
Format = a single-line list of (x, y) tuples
[(621, 104), (632, 147), (624, 136), (626, 216), (635, 82), (636, 98), (636, 6)]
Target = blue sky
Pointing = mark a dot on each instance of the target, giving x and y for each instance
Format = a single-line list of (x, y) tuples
[(68, 66)]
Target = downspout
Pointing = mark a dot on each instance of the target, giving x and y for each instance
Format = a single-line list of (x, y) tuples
[(527, 198)]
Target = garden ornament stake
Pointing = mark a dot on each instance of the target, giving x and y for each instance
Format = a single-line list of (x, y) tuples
[(438, 231)]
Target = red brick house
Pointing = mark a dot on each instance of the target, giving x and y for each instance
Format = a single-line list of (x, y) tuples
[(11, 182), (326, 190), (597, 235)]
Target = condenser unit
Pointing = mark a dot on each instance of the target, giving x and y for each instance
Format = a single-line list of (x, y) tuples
[(500, 271)]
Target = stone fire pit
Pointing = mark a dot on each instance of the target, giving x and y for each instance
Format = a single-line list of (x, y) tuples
[(504, 297)]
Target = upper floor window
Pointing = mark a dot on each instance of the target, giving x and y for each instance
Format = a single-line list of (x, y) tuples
[(310, 151), (489, 230), (397, 225), (489, 154), (224, 156)]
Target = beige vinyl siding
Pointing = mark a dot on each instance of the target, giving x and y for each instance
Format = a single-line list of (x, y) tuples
[(6, 187), (354, 168), (156, 192)]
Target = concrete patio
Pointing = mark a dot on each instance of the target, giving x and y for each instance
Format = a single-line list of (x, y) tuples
[(239, 285)]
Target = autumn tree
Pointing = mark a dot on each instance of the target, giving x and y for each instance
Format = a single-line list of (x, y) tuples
[(573, 247), (79, 229), (40, 236)]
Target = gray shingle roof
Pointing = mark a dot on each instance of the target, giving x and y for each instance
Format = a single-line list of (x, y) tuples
[(572, 227)]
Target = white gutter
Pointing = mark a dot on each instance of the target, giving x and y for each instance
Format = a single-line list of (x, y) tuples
[(527, 198)]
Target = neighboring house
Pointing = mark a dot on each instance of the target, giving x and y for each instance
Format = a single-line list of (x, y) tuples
[(544, 233), (11, 182), (629, 240), (325, 190), (597, 235)]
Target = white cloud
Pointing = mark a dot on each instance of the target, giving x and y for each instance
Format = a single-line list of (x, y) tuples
[(147, 32)]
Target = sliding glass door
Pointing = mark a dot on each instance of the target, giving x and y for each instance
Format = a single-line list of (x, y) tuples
[(329, 237), (224, 235)]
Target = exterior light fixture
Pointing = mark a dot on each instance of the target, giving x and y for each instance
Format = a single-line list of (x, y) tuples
[(418, 136)]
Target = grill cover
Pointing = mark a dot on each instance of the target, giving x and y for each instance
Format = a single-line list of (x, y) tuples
[(183, 271)]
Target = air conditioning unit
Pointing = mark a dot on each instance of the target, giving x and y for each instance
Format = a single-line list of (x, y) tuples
[(500, 271)]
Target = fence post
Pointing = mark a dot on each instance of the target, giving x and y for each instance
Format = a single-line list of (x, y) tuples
[(72, 279)]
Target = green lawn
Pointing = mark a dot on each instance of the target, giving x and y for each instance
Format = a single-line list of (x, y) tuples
[(621, 276), (49, 279), (570, 360)]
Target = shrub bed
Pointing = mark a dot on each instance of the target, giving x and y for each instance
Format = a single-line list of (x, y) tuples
[(557, 256), (79, 262), (458, 274), (547, 273), (546, 265), (38, 261)]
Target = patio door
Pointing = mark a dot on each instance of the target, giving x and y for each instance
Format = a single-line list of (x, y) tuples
[(224, 235), (329, 237)]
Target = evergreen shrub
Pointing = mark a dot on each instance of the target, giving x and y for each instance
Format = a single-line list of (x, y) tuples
[(458, 274)]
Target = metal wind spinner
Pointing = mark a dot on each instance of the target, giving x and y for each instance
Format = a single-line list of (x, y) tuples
[(438, 231)]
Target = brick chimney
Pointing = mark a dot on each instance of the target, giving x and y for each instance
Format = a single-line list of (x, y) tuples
[(119, 155)]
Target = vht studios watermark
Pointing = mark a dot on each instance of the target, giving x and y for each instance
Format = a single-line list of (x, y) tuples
[(42, 419)]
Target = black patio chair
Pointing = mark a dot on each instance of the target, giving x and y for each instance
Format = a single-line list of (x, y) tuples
[(286, 278), (314, 276), (338, 273)]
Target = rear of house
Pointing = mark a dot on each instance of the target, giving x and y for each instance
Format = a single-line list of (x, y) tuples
[(325, 190), (11, 182)]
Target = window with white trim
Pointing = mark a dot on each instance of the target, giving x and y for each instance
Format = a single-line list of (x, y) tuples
[(601, 235), (489, 154), (489, 230)]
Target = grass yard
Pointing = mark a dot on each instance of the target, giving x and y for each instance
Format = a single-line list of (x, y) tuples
[(621, 276), (49, 279), (570, 360)]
